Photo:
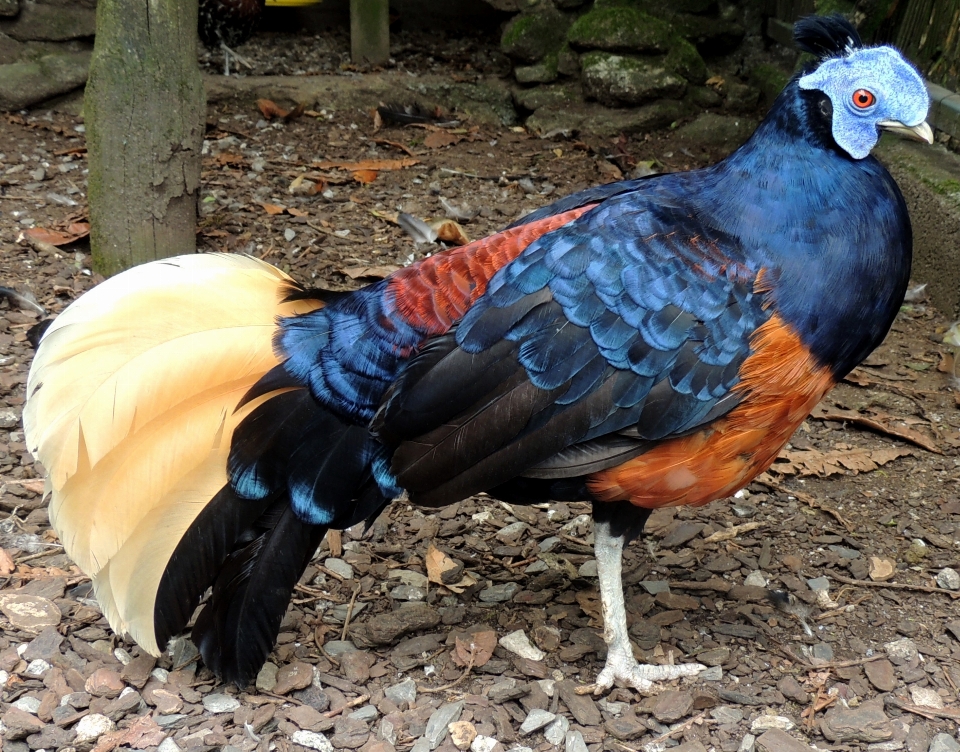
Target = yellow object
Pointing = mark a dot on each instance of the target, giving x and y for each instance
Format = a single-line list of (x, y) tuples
[(131, 407)]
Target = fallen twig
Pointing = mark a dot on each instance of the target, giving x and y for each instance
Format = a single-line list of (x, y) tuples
[(346, 620), (892, 585), (352, 704), (926, 711)]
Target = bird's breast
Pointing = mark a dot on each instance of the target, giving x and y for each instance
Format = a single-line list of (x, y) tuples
[(781, 383)]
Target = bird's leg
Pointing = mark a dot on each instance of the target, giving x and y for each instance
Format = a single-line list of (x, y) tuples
[(621, 665), (227, 54)]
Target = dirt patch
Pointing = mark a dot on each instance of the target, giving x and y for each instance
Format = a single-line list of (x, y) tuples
[(853, 494)]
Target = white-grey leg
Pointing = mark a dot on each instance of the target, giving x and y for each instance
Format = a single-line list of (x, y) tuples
[(621, 665)]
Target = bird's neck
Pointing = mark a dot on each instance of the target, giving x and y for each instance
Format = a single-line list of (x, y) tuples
[(834, 230)]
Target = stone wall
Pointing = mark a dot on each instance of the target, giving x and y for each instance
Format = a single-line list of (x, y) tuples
[(654, 60), (45, 49)]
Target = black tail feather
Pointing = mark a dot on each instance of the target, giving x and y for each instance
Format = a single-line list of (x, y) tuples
[(238, 627), (198, 556)]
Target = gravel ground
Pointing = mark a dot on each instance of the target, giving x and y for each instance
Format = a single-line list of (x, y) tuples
[(859, 521)]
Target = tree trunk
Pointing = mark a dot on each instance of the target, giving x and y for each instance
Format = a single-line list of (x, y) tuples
[(369, 31), (145, 110)]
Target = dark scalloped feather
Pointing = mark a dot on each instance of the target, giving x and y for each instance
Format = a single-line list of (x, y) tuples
[(826, 36), (588, 457), (237, 628), (197, 558)]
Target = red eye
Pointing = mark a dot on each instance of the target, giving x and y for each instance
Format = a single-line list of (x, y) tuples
[(863, 98)]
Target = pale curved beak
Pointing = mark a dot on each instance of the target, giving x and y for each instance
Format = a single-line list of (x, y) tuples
[(922, 132)]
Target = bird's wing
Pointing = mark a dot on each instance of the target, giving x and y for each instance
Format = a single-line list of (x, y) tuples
[(622, 328)]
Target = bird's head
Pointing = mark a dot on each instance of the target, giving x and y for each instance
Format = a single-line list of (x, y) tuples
[(867, 89)]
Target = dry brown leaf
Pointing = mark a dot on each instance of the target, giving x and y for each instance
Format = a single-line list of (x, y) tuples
[(858, 377), (6, 563), (273, 208), (294, 113), (74, 232), (836, 462), (368, 164), (609, 170), (142, 733), (589, 601), (450, 231), (439, 564), (476, 649), (374, 272), (270, 109), (227, 159), (439, 139), (364, 176), (881, 423)]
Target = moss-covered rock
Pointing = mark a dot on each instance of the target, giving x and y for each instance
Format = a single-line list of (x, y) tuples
[(661, 7), (543, 72), (568, 61), (683, 59), (741, 98), (712, 36), (50, 23), (617, 80), (769, 79), (621, 29), (702, 97), (559, 95), (725, 132), (27, 83), (530, 37), (602, 121)]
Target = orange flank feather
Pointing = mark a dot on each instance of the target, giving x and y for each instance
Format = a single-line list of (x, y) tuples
[(434, 293), (780, 383)]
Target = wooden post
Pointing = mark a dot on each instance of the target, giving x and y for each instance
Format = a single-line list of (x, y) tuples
[(369, 31), (144, 110)]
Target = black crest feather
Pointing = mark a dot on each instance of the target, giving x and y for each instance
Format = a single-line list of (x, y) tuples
[(826, 36)]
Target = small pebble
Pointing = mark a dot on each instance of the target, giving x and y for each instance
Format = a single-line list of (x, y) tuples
[(483, 744), (499, 593), (767, 722), (948, 579), (755, 579), (926, 697), (556, 731), (408, 593), (28, 704), (312, 740), (519, 644), (574, 742), (944, 743), (405, 691), (168, 745), (535, 720), (588, 568), (340, 567), (92, 727), (38, 668), (220, 703)]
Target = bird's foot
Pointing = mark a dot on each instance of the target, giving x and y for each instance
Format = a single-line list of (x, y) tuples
[(626, 671)]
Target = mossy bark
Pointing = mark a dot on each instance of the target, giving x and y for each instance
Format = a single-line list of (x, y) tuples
[(369, 31), (144, 110)]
